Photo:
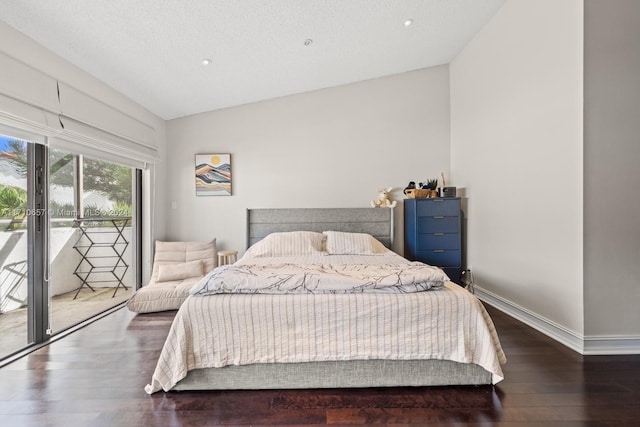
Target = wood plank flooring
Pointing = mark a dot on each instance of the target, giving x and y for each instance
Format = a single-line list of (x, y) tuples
[(95, 377), (65, 312)]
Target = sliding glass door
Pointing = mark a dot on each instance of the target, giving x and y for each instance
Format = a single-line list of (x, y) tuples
[(92, 236), (14, 242), (69, 236)]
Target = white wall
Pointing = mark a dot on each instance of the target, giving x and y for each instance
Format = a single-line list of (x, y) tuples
[(329, 148), (612, 175), (516, 145)]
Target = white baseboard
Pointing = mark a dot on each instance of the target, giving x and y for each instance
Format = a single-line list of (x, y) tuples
[(537, 322), (600, 345), (587, 345)]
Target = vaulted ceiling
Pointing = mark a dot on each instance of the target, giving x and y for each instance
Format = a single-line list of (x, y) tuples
[(153, 50)]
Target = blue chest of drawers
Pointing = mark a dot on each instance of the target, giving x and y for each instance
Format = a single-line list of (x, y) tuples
[(433, 233)]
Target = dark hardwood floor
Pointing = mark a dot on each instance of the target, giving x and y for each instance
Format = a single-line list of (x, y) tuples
[(95, 377)]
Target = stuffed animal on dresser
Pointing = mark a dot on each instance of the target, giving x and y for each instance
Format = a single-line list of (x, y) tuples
[(383, 200)]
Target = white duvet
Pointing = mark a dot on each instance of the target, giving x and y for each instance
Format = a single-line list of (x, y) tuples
[(287, 278)]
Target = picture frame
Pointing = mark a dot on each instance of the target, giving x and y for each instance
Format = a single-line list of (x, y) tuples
[(213, 174)]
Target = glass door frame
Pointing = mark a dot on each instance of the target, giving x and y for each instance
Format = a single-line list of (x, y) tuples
[(38, 243), (39, 329)]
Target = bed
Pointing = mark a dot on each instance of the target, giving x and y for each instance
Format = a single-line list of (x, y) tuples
[(398, 324)]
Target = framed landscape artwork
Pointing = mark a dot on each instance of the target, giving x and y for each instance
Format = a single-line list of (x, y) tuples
[(213, 174)]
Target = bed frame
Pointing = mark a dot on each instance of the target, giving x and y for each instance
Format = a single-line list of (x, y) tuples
[(377, 222), (345, 374)]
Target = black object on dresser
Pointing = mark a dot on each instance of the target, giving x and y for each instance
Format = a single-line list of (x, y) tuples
[(433, 233)]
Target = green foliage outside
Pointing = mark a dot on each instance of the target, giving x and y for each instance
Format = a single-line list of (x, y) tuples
[(13, 205), (13, 202), (111, 180)]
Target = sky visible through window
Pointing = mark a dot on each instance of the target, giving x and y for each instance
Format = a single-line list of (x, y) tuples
[(4, 142)]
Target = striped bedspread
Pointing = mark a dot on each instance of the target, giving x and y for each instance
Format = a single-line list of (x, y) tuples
[(220, 330)]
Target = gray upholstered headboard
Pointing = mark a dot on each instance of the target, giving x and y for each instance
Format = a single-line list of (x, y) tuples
[(375, 221)]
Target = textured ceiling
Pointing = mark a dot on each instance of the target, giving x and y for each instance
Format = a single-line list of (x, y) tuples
[(150, 50)]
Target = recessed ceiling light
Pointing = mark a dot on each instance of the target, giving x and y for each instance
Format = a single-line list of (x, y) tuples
[(308, 42), (206, 61), (408, 22)]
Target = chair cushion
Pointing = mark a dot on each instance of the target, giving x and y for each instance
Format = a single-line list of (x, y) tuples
[(170, 272), (162, 293), (179, 252)]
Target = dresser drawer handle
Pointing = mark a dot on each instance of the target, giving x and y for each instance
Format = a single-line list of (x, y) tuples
[(438, 217), (438, 234), (438, 250)]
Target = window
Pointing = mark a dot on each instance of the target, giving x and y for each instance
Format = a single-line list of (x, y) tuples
[(92, 263), (69, 239), (14, 293)]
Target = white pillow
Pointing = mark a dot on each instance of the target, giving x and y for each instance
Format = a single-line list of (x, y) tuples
[(341, 243), (288, 243), (179, 271)]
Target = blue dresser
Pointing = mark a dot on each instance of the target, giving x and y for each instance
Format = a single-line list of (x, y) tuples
[(433, 233)]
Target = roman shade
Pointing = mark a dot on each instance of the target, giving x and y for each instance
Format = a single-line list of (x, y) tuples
[(34, 103)]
